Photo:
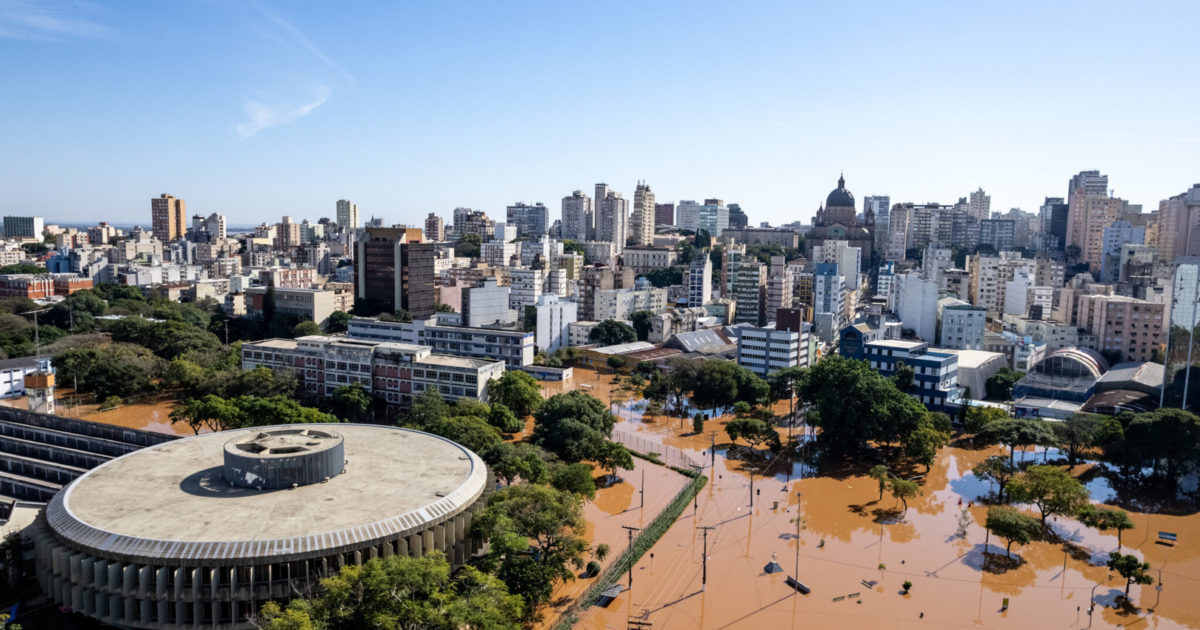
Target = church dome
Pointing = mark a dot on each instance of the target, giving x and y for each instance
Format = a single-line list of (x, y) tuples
[(840, 197)]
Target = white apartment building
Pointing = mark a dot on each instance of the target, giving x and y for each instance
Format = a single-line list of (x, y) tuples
[(526, 288), (579, 333), (619, 303), (498, 253), (643, 258), (960, 325), (766, 350), (848, 260), (554, 318), (578, 221), (347, 215), (990, 276), (917, 304)]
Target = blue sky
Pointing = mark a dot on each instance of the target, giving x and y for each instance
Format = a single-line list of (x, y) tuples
[(260, 110)]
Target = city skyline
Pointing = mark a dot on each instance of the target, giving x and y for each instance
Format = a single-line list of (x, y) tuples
[(261, 110)]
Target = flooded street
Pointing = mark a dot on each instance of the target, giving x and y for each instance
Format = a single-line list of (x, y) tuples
[(855, 550)]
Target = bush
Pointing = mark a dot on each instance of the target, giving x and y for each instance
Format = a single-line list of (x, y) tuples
[(593, 568), (112, 402)]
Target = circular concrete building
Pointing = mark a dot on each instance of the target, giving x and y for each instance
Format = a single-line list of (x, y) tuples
[(201, 531)]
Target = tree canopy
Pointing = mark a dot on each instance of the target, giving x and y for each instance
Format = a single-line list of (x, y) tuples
[(1051, 489), (402, 592), (1012, 525), (611, 332), (518, 391), (573, 425)]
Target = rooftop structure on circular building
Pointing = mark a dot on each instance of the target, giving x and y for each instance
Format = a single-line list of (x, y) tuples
[(1065, 374), (200, 532)]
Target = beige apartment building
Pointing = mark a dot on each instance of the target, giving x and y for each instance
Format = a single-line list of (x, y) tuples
[(168, 217), (1129, 329)]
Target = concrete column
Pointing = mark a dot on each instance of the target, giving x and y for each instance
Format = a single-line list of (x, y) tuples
[(428, 543), (114, 580), (131, 610), (160, 583), (216, 583), (144, 611), (402, 547), (180, 573), (388, 550), (76, 574), (162, 613), (101, 606), (144, 579), (416, 543)]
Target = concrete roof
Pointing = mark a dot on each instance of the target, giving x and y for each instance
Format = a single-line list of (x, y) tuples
[(903, 344), (625, 348), (969, 359), (1144, 374), (171, 503), (449, 361)]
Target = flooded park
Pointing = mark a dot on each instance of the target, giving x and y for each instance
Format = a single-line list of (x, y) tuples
[(856, 551)]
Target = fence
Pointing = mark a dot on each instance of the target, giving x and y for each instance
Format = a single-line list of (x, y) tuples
[(669, 455)]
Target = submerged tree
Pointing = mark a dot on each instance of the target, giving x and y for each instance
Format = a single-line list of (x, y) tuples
[(1011, 525)]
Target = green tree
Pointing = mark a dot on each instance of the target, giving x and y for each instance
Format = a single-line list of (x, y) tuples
[(1131, 568), (573, 425), (615, 362), (703, 239), (754, 431), (1170, 436), (641, 323), (519, 517), (338, 322), (350, 402), (998, 470), (922, 443), (210, 412), (518, 391), (1000, 385), (1075, 435), (513, 460), (611, 332), (402, 592), (305, 328), (905, 377), (427, 408), (1105, 519), (117, 369), (1016, 432), (502, 418), (576, 478), (698, 423), (903, 490), (715, 385), (881, 475), (1049, 488), (470, 431), (612, 456), (854, 404), (1011, 525), (468, 246), (184, 375), (978, 417)]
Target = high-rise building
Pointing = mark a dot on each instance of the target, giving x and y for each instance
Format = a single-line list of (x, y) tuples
[(1121, 232), (687, 215), (612, 219), (530, 221), (1179, 225), (997, 233), (746, 284), (210, 228), (980, 205), (664, 214), (714, 217), (347, 214), (700, 279), (1091, 210), (554, 316), (1053, 215), (1126, 329), (24, 227), (168, 217), (779, 287), (1091, 182), (578, 220), (468, 221), (881, 205), (287, 234), (767, 350), (435, 228), (837, 219), (395, 271), (642, 223), (737, 217)]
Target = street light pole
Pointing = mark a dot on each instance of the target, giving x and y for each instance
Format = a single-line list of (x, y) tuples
[(1092, 599), (704, 559)]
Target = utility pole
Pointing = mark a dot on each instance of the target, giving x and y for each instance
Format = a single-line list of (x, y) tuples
[(630, 530), (751, 490), (797, 574), (712, 449), (642, 491), (704, 558)]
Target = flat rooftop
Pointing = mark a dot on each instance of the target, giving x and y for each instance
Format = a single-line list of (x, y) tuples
[(449, 361), (172, 500)]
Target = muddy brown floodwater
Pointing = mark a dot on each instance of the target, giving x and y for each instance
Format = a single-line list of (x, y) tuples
[(855, 551), (155, 416)]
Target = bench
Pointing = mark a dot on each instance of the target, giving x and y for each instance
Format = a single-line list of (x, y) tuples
[(1168, 538)]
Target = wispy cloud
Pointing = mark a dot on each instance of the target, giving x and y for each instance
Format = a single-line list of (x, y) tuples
[(261, 115), (1134, 136), (296, 37), (50, 20)]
